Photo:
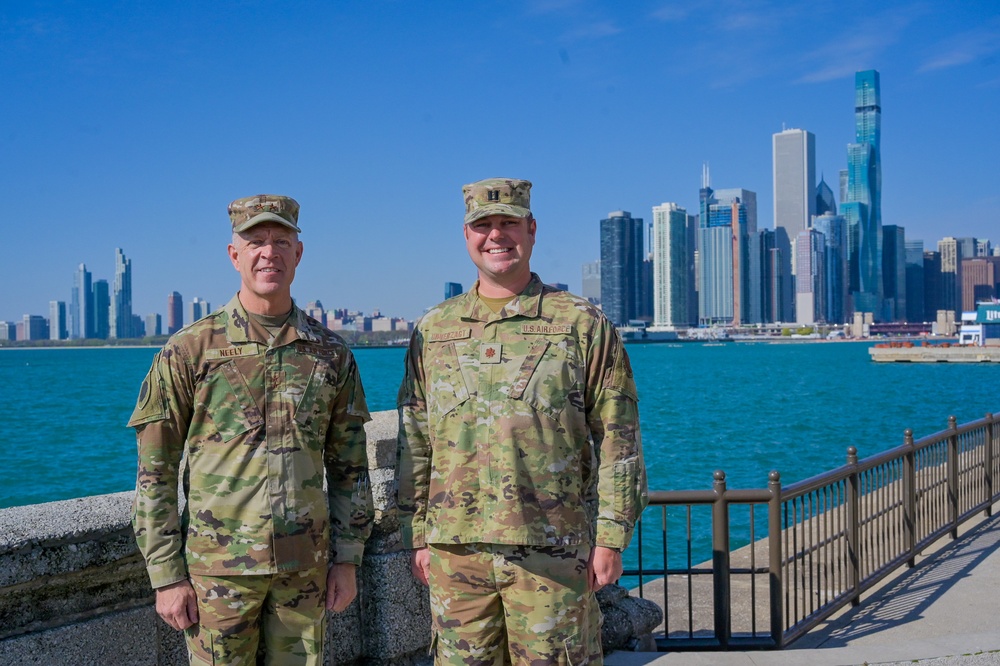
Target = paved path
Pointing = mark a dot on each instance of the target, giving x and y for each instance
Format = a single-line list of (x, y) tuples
[(943, 612)]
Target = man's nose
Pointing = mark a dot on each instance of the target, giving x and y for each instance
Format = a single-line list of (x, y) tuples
[(496, 233)]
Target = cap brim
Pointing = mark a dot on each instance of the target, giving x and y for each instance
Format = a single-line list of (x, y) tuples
[(265, 217), (496, 209)]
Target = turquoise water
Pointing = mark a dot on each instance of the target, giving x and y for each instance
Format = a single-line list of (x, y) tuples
[(742, 408)]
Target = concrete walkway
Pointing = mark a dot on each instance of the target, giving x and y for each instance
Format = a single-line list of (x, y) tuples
[(943, 612)]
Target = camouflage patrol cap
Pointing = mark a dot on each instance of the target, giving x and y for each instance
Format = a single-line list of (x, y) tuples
[(497, 196), (250, 211)]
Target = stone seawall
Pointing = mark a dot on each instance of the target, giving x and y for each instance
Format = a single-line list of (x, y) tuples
[(73, 588)]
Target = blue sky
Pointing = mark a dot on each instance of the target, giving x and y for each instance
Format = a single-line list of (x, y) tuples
[(133, 124)]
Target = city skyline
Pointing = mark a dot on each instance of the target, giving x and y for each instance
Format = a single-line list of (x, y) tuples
[(381, 121)]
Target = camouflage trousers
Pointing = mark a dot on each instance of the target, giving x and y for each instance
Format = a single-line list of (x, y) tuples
[(276, 619), (496, 604)]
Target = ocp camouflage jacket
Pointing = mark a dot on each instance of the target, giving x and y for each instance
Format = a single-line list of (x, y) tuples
[(275, 464), (510, 421)]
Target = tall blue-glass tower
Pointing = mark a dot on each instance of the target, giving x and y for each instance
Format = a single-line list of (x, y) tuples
[(863, 201), (621, 266)]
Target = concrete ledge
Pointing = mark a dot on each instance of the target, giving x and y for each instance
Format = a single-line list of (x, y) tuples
[(74, 590)]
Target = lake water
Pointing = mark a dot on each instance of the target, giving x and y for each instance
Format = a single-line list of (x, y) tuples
[(742, 408)]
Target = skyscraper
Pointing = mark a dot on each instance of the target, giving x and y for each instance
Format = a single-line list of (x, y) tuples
[(199, 308), (950, 296), (915, 280), (154, 324), (894, 272), (834, 230), (121, 301), (452, 289), (34, 327), (102, 310), (862, 205), (591, 274), (175, 313), (825, 203), (621, 266), (57, 320), (81, 310), (725, 220), (764, 267), (793, 154), (980, 281), (673, 266), (932, 285), (810, 277)]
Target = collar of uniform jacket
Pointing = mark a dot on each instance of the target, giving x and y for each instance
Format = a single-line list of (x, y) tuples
[(241, 329), (526, 304)]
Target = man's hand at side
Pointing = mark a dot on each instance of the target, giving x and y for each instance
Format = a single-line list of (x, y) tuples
[(604, 567), (341, 586), (420, 561), (177, 604)]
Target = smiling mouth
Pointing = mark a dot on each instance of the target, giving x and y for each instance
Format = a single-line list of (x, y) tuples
[(498, 250)]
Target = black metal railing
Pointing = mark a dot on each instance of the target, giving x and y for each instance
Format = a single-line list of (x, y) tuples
[(823, 542)]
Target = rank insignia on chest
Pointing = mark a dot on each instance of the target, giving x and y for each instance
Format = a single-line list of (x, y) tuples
[(490, 353)]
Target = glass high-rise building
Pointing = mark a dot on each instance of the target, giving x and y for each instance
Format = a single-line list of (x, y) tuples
[(894, 272), (932, 285), (81, 308), (864, 191), (673, 266), (57, 320), (834, 230), (175, 312), (825, 203), (915, 280), (199, 308), (727, 218), (121, 301), (764, 266), (621, 266), (102, 310), (452, 289)]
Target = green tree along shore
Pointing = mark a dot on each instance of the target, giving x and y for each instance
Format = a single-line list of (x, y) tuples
[(353, 338)]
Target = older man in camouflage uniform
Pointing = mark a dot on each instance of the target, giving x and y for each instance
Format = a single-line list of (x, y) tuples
[(261, 410), (517, 407)]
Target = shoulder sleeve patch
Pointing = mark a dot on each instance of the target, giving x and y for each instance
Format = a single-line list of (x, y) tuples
[(619, 376), (150, 405)]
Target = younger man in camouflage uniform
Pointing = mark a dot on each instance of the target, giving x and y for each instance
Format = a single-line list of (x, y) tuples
[(268, 408), (517, 407)]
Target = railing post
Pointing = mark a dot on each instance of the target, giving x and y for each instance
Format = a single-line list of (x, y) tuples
[(775, 557), (854, 527), (989, 466), (720, 561), (909, 498), (953, 476)]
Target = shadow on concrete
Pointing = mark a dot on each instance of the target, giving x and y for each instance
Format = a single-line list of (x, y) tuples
[(905, 598)]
